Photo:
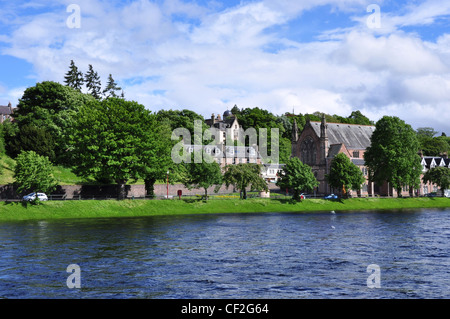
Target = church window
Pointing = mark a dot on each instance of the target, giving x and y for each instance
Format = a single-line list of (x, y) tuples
[(308, 151)]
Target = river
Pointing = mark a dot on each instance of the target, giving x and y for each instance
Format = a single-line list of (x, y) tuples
[(267, 255)]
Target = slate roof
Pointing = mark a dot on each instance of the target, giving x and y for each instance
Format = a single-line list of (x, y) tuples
[(353, 136), (358, 162), (438, 161), (6, 110)]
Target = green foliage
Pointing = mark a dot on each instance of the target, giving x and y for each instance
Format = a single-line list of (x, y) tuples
[(297, 177), (111, 88), (93, 83), (33, 138), (439, 176), (392, 156), (156, 167), (358, 118), (51, 107), (242, 176), (74, 77), (114, 140), (344, 175), (34, 172), (204, 174), (430, 144), (183, 119)]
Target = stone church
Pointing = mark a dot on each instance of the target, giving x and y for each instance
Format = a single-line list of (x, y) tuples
[(319, 142)]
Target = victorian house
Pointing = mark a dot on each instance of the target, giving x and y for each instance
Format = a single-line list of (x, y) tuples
[(225, 152), (6, 112)]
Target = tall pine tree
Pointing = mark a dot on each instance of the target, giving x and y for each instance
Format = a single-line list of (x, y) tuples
[(93, 83), (111, 88), (74, 77)]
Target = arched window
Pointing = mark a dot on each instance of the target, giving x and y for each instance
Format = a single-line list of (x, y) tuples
[(308, 151)]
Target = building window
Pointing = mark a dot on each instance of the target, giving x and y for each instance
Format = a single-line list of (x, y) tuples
[(364, 171), (308, 151), (356, 154)]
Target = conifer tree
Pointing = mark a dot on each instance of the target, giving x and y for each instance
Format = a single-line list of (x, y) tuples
[(111, 88), (74, 77), (93, 83)]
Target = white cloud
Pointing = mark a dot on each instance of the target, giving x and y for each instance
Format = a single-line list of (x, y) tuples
[(211, 59)]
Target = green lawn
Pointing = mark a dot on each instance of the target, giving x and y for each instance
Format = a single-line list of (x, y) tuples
[(134, 208)]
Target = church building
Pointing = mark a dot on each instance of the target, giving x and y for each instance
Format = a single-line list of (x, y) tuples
[(319, 142)]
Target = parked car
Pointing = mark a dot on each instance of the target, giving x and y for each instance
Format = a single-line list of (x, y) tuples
[(331, 196), (32, 196), (433, 194)]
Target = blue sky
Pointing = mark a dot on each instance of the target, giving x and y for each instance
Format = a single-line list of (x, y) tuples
[(306, 55)]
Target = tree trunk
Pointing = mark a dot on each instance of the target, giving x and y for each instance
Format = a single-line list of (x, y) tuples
[(206, 193), (150, 186), (244, 193), (122, 191), (399, 192)]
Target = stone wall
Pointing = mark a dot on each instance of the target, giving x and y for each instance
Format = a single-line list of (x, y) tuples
[(111, 191)]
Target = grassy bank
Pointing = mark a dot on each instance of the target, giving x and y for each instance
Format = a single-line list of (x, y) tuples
[(135, 208)]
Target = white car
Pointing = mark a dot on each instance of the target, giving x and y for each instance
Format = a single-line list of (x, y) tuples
[(32, 196)]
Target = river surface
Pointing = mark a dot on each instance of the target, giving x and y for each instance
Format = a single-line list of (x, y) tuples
[(270, 255)]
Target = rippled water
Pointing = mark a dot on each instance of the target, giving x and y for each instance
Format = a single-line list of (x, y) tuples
[(283, 255)]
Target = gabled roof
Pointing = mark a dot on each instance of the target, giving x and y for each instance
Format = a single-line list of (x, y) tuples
[(447, 162), (5, 110), (439, 161), (353, 136), (334, 150)]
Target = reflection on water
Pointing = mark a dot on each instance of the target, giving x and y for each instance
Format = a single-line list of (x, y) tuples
[(314, 255)]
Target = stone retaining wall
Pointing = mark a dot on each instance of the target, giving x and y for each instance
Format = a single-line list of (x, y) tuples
[(102, 191)]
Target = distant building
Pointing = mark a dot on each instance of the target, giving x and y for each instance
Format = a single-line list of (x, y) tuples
[(429, 162), (227, 155), (224, 154), (320, 142), (228, 125), (270, 172), (6, 112)]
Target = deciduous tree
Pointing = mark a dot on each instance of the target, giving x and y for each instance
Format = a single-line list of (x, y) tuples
[(243, 176), (204, 174), (439, 176), (297, 177), (393, 154), (114, 139), (344, 175), (34, 173), (51, 107)]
